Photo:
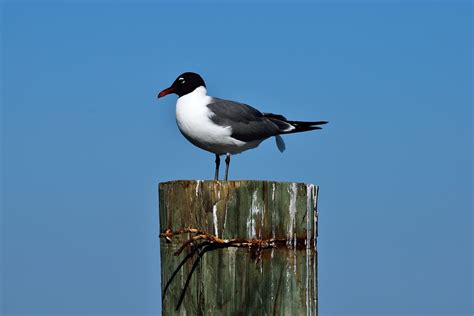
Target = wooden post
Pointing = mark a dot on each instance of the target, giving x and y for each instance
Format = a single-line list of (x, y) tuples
[(280, 279)]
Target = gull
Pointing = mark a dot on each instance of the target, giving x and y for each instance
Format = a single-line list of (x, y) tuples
[(225, 127)]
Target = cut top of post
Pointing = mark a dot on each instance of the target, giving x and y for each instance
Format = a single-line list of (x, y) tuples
[(259, 210)]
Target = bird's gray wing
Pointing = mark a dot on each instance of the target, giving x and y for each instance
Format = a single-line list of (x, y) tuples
[(246, 122)]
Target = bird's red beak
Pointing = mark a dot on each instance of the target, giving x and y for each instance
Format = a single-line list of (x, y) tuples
[(166, 92)]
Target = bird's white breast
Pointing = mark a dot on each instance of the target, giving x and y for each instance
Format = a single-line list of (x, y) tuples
[(193, 119)]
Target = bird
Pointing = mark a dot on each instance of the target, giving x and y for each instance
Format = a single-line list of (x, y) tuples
[(225, 127)]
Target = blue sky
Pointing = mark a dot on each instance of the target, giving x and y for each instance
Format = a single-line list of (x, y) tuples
[(85, 143)]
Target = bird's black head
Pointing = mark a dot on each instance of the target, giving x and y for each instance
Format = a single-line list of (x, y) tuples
[(184, 84)]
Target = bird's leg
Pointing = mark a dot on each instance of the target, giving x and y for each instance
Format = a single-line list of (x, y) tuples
[(218, 162), (227, 163)]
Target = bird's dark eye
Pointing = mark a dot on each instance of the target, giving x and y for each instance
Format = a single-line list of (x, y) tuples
[(181, 80)]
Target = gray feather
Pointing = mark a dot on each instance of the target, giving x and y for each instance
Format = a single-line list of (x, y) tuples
[(247, 123), (280, 143)]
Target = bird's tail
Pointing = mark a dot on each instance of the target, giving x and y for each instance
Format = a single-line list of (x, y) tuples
[(289, 127)]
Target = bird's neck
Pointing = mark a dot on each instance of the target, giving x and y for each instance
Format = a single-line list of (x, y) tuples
[(196, 99)]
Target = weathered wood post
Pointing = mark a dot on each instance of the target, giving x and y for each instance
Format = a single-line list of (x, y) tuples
[(266, 259)]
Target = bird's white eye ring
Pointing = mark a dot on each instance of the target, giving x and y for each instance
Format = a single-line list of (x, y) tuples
[(181, 80)]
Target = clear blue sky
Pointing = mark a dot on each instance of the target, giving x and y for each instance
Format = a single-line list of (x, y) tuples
[(86, 142)]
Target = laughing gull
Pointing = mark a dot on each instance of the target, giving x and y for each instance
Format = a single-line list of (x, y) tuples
[(226, 127)]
